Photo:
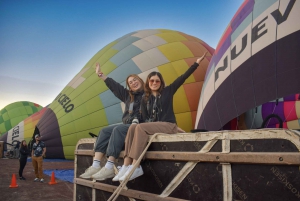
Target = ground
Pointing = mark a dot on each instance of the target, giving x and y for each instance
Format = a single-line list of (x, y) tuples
[(29, 190)]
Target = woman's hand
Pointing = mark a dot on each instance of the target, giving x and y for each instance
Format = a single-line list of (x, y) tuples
[(99, 72), (201, 58), (98, 69)]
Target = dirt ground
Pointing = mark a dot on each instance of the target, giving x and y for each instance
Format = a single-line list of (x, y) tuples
[(29, 190)]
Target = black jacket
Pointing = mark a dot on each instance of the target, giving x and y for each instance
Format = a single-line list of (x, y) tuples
[(24, 152), (123, 94), (164, 110)]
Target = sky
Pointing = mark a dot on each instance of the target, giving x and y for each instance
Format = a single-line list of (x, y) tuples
[(45, 43)]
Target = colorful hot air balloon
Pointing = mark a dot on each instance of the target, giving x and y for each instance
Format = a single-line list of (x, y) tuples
[(14, 113), (23, 130), (285, 110), (256, 61), (86, 105)]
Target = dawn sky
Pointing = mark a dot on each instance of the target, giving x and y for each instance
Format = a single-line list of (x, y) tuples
[(45, 43)]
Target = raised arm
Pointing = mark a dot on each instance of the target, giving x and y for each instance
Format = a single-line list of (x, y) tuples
[(99, 72), (180, 80), (118, 90), (201, 58)]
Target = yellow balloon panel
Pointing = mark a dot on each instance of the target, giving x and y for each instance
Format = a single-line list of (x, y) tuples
[(69, 152), (175, 51), (293, 124), (68, 128), (172, 37), (184, 121), (180, 67)]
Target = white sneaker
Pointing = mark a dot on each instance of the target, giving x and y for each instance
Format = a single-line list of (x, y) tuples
[(36, 179), (103, 174), (42, 180), (121, 172), (89, 172), (137, 172)]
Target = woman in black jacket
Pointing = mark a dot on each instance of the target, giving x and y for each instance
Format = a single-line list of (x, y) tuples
[(24, 152), (110, 140), (157, 110)]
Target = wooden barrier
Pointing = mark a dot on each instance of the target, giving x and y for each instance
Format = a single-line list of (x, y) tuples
[(224, 165)]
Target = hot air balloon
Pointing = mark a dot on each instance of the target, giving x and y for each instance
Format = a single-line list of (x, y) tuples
[(23, 130), (86, 105), (14, 113), (256, 61), (283, 112)]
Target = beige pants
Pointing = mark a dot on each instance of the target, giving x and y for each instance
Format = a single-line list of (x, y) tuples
[(138, 134), (37, 163)]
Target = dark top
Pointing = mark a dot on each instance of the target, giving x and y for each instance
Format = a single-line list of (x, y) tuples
[(38, 148), (123, 94), (164, 103), (18, 145), (24, 152)]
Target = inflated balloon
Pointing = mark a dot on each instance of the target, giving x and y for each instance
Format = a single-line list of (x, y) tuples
[(86, 105), (23, 130), (14, 113), (256, 61), (284, 111)]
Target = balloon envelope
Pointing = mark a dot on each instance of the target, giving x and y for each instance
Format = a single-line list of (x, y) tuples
[(23, 130), (86, 105), (256, 61), (14, 113)]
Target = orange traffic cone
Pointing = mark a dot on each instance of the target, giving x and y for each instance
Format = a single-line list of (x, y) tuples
[(13, 182), (52, 179)]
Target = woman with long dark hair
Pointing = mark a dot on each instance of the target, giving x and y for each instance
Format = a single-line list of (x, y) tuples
[(24, 152)]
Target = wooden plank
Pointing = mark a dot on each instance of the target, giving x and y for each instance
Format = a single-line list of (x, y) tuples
[(128, 193), (233, 157), (85, 152)]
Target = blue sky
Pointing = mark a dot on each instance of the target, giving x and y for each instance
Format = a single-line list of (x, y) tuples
[(45, 43)]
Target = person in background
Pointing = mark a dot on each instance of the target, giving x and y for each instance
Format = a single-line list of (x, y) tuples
[(157, 110), (110, 140), (37, 155), (24, 152)]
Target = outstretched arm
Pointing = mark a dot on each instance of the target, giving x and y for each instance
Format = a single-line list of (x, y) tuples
[(180, 80), (119, 91), (201, 58), (99, 72)]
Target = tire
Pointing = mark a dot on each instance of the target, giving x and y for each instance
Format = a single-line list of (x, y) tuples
[(10, 156), (272, 116), (16, 153)]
